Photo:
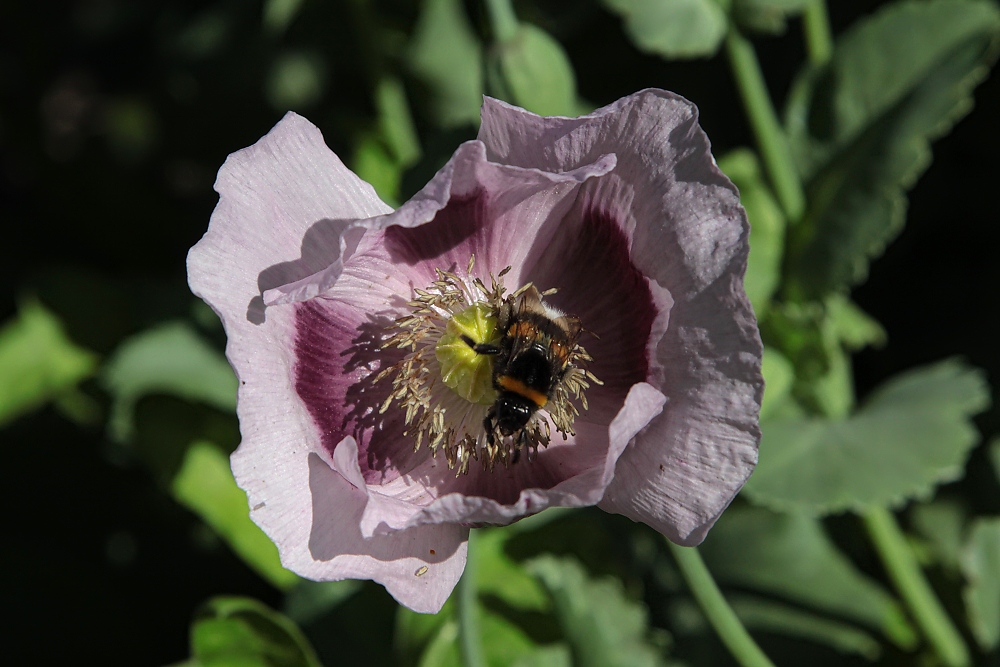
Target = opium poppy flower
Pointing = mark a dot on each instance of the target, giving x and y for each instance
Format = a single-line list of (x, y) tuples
[(557, 319)]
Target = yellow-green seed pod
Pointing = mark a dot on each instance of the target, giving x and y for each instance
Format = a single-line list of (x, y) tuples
[(467, 373)]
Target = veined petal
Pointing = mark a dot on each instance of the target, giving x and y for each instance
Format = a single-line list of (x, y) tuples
[(688, 233)]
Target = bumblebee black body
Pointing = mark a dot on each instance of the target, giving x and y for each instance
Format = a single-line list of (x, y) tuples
[(530, 359)]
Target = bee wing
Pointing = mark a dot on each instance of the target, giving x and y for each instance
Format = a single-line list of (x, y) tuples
[(530, 301), (572, 326)]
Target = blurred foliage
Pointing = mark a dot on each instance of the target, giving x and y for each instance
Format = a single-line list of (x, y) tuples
[(115, 393)]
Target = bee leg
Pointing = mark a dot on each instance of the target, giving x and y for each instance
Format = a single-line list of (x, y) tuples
[(480, 348), (488, 425)]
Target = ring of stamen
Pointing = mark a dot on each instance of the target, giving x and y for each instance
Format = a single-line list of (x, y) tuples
[(446, 391)]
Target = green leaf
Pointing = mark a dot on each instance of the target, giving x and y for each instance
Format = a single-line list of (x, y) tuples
[(860, 128), (169, 359), (446, 58), (767, 226), (602, 625), (205, 485), (912, 434), (533, 71), (981, 566), (296, 80), (38, 362), (852, 327), (674, 29), (497, 574), (767, 16), (790, 556), (279, 14), (308, 600), (240, 632), (779, 374), (395, 123), (941, 524)]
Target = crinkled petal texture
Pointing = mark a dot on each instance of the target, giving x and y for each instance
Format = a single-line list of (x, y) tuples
[(623, 211), (688, 235)]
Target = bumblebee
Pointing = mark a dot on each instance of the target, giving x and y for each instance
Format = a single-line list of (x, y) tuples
[(531, 358)]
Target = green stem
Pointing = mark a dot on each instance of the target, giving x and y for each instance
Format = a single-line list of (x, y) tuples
[(905, 572), (819, 40), (764, 122), (503, 20), (732, 633), (469, 636)]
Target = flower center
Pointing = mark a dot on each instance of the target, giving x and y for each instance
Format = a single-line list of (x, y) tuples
[(486, 373)]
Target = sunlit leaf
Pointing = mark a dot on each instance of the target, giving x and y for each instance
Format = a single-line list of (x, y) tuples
[(533, 71), (674, 29), (981, 566), (38, 362), (790, 556), (446, 57), (603, 627), (860, 128), (767, 226), (913, 433), (205, 485), (169, 359), (241, 632)]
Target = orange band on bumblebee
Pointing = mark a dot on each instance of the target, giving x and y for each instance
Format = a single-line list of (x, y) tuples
[(515, 386)]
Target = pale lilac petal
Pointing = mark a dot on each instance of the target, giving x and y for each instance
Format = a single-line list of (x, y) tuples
[(498, 213), (583, 469), (284, 205), (689, 236)]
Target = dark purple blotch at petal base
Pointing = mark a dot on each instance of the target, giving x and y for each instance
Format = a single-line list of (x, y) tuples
[(589, 262)]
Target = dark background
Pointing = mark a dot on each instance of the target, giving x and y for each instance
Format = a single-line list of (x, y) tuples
[(114, 118)]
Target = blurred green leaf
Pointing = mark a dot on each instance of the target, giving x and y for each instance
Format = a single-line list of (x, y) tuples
[(860, 128), (778, 378), (499, 575), (241, 632), (446, 57), (790, 556), (169, 359), (913, 433), (851, 326), (941, 524), (533, 71), (296, 80), (994, 454), (767, 16), (673, 29), (279, 14), (981, 566), (816, 338), (414, 632), (767, 226), (308, 600), (205, 485), (373, 162), (395, 123), (38, 362), (603, 627)]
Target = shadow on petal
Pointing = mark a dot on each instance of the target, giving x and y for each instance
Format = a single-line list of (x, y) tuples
[(337, 506), (320, 249)]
